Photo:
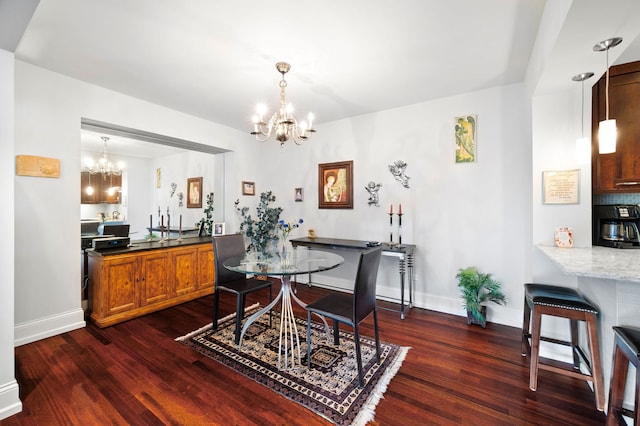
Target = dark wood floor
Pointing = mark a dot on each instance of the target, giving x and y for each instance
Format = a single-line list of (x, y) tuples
[(135, 373)]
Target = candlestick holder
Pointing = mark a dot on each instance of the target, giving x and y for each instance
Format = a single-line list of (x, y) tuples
[(391, 228), (399, 228)]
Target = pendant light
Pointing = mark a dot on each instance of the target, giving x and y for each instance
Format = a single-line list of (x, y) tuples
[(583, 146), (607, 129)]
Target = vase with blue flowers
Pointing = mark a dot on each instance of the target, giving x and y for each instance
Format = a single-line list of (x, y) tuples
[(285, 229)]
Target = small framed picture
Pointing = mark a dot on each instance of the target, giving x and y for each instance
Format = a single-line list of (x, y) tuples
[(248, 188), (218, 228), (194, 194), (298, 194)]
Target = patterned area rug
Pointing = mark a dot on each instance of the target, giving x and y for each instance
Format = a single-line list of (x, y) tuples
[(330, 388)]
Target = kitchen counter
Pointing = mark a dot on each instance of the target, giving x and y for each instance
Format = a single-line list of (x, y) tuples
[(596, 262)]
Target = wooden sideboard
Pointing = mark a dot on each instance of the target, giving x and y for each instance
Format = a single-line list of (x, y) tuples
[(147, 277)]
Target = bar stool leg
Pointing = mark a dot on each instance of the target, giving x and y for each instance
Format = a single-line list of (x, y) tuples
[(526, 328), (636, 416), (616, 390), (535, 349), (574, 343), (596, 367)]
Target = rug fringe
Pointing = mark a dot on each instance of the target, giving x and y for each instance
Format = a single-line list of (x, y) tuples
[(208, 326), (368, 410)]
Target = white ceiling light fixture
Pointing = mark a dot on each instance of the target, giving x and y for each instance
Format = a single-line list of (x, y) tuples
[(583, 145), (104, 166), (607, 132), (283, 125)]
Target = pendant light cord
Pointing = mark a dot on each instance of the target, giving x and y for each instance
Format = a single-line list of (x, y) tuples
[(582, 110), (607, 86)]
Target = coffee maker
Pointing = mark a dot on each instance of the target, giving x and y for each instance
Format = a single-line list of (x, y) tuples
[(616, 225)]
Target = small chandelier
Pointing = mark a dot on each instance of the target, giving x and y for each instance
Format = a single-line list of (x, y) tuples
[(103, 166), (283, 125), (607, 131)]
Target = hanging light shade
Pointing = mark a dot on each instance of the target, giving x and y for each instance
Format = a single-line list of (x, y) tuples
[(282, 125), (607, 132), (583, 145)]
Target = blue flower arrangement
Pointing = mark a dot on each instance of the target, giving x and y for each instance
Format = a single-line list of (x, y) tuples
[(287, 227)]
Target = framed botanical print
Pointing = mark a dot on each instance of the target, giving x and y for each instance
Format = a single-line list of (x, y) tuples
[(335, 185), (466, 141), (194, 193)]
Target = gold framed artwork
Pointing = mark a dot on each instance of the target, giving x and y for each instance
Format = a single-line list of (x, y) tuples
[(194, 193), (561, 186), (248, 188), (335, 185), (466, 142)]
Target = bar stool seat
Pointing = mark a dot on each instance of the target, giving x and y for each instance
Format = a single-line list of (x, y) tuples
[(542, 299), (625, 352)]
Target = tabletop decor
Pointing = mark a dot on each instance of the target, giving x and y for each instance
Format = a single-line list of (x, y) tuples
[(332, 391), (261, 231), (208, 215), (285, 229)]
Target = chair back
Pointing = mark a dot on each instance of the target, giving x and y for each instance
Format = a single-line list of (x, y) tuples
[(224, 247), (364, 291)]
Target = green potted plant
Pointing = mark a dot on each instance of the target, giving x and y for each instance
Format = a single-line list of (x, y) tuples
[(261, 231), (208, 215), (476, 289)]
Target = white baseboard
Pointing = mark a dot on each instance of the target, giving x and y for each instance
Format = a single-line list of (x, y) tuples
[(42, 328), (10, 403)]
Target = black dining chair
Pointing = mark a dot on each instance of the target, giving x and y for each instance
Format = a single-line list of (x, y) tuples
[(225, 247), (351, 309)]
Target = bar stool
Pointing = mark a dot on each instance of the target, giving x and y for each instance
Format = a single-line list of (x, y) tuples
[(625, 351), (541, 299)]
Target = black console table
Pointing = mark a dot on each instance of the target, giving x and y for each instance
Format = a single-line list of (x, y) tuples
[(404, 253)]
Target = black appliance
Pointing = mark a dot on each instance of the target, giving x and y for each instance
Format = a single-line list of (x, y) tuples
[(108, 243), (616, 225)]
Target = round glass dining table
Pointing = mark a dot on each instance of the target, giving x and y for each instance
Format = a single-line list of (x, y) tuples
[(298, 262)]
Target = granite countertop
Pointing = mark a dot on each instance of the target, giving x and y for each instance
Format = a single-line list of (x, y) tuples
[(596, 262)]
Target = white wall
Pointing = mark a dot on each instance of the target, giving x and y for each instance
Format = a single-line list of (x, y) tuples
[(9, 398), (457, 214), (48, 111)]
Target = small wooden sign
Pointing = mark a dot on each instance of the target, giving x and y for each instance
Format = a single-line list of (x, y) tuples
[(31, 165)]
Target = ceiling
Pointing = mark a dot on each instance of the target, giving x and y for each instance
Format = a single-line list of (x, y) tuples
[(216, 60)]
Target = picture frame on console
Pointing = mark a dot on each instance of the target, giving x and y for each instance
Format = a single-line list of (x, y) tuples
[(218, 228), (335, 185), (194, 193)]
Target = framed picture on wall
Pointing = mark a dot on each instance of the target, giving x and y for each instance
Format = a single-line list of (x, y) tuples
[(194, 193), (335, 185), (248, 188), (298, 195), (466, 141)]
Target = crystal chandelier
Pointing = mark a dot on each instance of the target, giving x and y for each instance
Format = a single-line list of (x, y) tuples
[(283, 125), (103, 166)]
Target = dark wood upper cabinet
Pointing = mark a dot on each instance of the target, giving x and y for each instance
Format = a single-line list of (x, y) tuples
[(618, 172), (101, 185)]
